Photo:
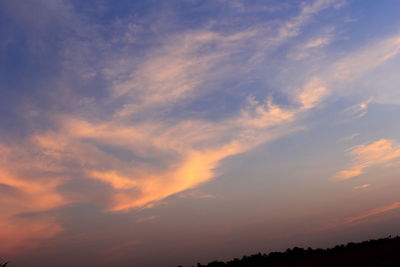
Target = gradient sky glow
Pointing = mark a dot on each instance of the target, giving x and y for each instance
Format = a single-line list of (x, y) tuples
[(160, 133)]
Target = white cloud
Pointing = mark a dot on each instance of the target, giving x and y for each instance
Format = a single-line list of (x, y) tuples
[(371, 56), (350, 137), (359, 110)]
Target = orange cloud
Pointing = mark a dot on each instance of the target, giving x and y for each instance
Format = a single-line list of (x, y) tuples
[(194, 148), (364, 156), (190, 150), (24, 192), (263, 116), (168, 158), (372, 212), (312, 93), (362, 217), (196, 168)]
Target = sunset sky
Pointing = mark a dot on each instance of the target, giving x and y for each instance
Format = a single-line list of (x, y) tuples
[(164, 133)]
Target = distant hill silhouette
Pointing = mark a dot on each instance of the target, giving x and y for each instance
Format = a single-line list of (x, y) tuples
[(380, 252)]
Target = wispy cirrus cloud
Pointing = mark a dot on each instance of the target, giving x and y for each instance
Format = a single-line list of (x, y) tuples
[(137, 140), (26, 187), (363, 186), (144, 158), (366, 59), (197, 195), (350, 137), (142, 162), (319, 41), (359, 110), (364, 217), (308, 10), (373, 154), (193, 150), (178, 69), (373, 212), (291, 28)]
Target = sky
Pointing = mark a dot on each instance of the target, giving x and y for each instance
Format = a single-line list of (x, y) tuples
[(165, 133)]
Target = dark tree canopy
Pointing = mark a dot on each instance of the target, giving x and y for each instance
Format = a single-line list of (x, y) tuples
[(380, 252)]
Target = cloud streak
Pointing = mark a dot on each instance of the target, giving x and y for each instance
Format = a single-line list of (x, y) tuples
[(372, 212), (359, 110), (363, 217), (361, 186), (364, 156)]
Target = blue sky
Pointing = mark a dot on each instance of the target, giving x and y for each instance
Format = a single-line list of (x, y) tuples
[(197, 130)]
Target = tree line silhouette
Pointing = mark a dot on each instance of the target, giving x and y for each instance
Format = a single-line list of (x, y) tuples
[(379, 252)]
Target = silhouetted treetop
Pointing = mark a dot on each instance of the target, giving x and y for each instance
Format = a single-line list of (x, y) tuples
[(379, 252)]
